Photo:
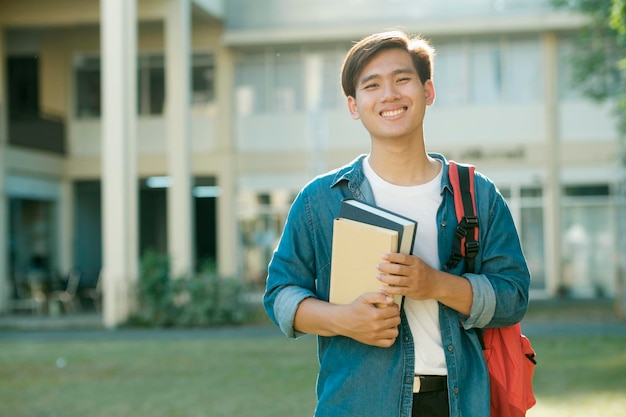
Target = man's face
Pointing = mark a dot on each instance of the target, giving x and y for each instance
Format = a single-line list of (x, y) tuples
[(390, 98)]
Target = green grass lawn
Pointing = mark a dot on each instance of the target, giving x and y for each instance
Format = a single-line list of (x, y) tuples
[(255, 377)]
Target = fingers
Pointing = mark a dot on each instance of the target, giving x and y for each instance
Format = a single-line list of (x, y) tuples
[(375, 319), (387, 341), (409, 276), (398, 258), (377, 299), (384, 334), (397, 264)]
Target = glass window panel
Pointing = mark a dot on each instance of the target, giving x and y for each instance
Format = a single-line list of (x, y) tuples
[(567, 89), (450, 74), (325, 63), (288, 81), (588, 249), (202, 79), (589, 190), (251, 83), (531, 192), (331, 85), (157, 90), (152, 78), (524, 77), (486, 73), (87, 73), (531, 233), (150, 83)]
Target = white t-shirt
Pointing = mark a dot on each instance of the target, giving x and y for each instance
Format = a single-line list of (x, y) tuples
[(419, 203)]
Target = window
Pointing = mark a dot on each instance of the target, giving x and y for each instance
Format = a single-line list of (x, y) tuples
[(250, 79), (150, 83), (589, 190), (451, 74), (488, 71), (588, 247), (522, 71), (87, 86), (566, 85), (530, 192), (288, 79), (533, 242), (202, 79)]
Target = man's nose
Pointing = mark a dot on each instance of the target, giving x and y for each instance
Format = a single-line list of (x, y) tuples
[(390, 92)]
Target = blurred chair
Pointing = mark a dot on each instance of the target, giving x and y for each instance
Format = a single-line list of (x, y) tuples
[(68, 297), (29, 298), (95, 294)]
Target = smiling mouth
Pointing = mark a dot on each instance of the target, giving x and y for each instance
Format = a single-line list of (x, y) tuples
[(392, 113)]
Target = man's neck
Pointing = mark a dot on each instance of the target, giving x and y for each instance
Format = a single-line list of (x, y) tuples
[(404, 166)]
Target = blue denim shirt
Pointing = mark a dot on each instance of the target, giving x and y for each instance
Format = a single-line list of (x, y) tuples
[(359, 380)]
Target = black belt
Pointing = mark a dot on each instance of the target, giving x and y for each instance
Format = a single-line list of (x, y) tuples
[(428, 383)]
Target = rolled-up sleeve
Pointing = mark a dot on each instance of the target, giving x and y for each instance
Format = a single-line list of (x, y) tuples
[(483, 304), (500, 286), (285, 307)]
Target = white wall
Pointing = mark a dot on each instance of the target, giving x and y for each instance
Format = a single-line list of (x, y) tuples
[(84, 135)]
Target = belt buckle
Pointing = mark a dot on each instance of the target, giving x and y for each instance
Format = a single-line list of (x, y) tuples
[(417, 384)]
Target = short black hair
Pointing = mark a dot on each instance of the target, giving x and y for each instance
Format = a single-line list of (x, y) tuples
[(421, 51)]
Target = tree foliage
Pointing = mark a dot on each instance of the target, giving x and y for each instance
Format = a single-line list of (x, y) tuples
[(598, 59)]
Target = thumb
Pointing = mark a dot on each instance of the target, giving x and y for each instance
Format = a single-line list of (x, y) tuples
[(378, 299)]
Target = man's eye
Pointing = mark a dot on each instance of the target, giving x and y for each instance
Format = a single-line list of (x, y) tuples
[(369, 86)]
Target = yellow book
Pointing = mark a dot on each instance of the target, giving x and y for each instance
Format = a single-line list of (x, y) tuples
[(356, 251)]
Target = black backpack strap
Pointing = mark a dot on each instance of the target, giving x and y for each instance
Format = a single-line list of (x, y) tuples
[(466, 234), (465, 243)]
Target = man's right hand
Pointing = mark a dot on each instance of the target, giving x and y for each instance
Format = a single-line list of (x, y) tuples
[(372, 318)]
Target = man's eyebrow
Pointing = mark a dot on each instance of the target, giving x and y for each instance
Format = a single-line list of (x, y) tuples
[(395, 72), (368, 78)]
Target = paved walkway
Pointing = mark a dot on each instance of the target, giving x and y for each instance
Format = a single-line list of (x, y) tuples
[(267, 331), (89, 327)]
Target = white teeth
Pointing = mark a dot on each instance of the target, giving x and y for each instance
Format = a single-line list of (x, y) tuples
[(392, 113)]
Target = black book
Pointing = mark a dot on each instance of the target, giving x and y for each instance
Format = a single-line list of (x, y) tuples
[(366, 213)]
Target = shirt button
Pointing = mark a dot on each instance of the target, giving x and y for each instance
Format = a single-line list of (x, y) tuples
[(443, 223), (450, 348), (456, 390)]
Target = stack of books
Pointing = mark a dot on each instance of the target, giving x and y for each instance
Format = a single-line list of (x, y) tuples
[(362, 233)]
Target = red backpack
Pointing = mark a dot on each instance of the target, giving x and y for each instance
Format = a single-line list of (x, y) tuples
[(509, 355)]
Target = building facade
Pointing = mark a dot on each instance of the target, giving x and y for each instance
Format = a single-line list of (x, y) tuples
[(188, 127)]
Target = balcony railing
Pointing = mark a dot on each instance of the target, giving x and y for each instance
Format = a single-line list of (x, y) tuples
[(37, 131)]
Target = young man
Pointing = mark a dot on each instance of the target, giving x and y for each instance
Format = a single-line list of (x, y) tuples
[(422, 358)]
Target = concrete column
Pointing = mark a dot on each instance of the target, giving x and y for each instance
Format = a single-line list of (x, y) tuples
[(552, 196), (4, 212), (65, 216), (119, 182), (227, 233), (177, 95)]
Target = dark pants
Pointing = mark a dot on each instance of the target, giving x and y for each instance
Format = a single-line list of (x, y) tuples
[(431, 404)]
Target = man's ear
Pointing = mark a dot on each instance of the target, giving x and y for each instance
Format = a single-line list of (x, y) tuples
[(353, 109), (429, 92)]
